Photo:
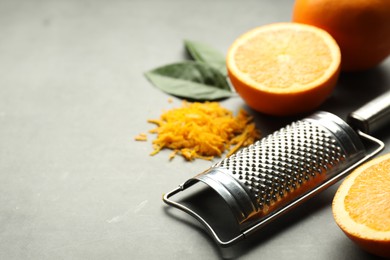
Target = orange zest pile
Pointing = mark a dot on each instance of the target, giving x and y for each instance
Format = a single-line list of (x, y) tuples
[(203, 130), (284, 68), (361, 206)]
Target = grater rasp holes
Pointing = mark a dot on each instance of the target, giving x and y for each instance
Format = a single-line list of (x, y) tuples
[(284, 162)]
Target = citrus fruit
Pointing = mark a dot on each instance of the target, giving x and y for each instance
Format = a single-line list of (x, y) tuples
[(360, 27), (284, 68), (361, 206)]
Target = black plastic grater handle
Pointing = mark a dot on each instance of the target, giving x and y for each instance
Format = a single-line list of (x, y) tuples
[(372, 116)]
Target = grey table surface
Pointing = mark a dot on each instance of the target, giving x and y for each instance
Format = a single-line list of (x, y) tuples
[(73, 182)]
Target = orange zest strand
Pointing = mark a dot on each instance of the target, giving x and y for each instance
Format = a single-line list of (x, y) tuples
[(141, 137)]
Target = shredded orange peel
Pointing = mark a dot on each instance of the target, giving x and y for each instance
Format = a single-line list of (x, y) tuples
[(141, 137), (203, 130)]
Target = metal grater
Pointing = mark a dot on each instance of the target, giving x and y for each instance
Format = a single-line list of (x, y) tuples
[(268, 178)]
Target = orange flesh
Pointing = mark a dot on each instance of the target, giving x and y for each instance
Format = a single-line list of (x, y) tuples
[(370, 192), (289, 61)]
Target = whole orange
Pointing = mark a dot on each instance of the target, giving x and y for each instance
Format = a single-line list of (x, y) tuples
[(360, 27)]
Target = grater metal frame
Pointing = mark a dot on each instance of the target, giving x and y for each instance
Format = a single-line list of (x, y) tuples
[(367, 119), (379, 146)]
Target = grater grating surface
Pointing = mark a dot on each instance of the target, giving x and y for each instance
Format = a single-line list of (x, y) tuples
[(284, 162), (279, 168)]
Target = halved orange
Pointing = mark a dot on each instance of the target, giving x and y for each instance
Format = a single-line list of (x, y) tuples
[(284, 68), (361, 206)]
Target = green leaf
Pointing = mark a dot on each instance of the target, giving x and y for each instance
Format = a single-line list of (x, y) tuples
[(191, 80), (205, 53)]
